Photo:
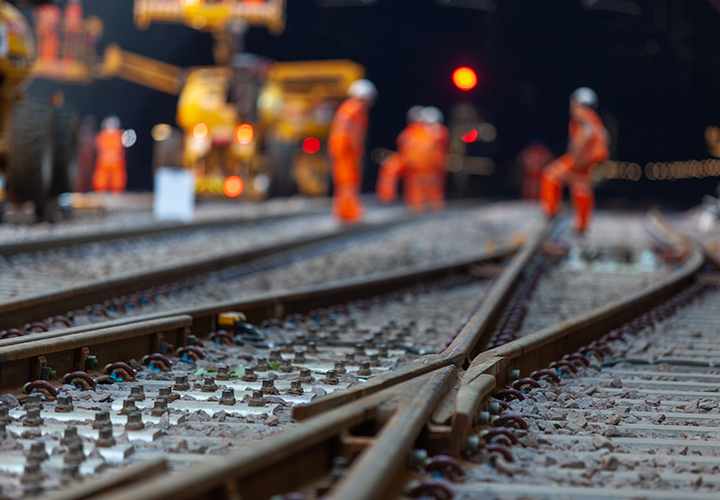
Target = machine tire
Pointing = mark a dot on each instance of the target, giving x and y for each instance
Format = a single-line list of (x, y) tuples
[(65, 124), (280, 162), (169, 153), (30, 156)]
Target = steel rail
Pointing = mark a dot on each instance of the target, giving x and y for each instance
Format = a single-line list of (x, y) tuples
[(18, 312), (55, 243)]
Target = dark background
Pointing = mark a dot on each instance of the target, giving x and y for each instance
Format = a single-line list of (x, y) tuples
[(655, 65)]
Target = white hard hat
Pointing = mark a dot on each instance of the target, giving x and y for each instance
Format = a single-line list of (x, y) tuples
[(414, 114), (585, 96), (111, 122), (432, 115), (362, 89)]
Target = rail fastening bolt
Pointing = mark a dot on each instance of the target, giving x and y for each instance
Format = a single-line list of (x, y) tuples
[(128, 407), (228, 397), (275, 356), (160, 407), (102, 419), (340, 368), (32, 474), (134, 422), (71, 470), (374, 360), (137, 393), (75, 453), (33, 399), (256, 399), (223, 372), (32, 417), (261, 365), (330, 378), (209, 385), (167, 394), (70, 436), (364, 370), (268, 387), (300, 356), (37, 452), (312, 347), (181, 383), (296, 388), (105, 438), (287, 366), (64, 404), (306, 376)]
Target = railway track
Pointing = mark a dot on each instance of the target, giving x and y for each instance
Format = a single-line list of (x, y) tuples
[(358, 439)]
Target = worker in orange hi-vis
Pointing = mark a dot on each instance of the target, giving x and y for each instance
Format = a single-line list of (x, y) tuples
[(532, 159), (420, 161), (73, 25), (47, 19), (346, 145), (587, 146), (110, 143)]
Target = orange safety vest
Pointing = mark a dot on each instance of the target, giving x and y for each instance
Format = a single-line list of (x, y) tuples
[(348, 129), (110, 150), (590, 147)]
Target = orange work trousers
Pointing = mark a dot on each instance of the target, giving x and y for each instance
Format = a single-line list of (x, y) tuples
[(424, 192), (578, 178), (347, 206), (109, 178)]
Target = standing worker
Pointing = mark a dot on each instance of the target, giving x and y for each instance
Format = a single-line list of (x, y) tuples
[(420, 161), (587, 146), (346, 144), (110, 143), (47, 20)]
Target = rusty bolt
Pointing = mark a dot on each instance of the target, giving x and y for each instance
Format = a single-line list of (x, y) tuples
[(349, 358), (275, 356), (128, 407), (181, 383), (288, 347), (75, 453), (306, 376), (300, 356), (102, 419), (37, 452), (340, 368), (70, 436), (295, 388), (134, 422), (32, 417), (228, 397), (256, 399), (312, 346), (33, 399), (287, 366), (64, 404), (32, 474), (268, 386), (137, 393), (71, 470), (360, 349), (249, 375), (261, 365), (300, 339), (223, 372), (209, 385), (330, 378), (374, 360), (105, 438), (322, 340), (167, 394), (364, 370), (160, 407), (382, 351)]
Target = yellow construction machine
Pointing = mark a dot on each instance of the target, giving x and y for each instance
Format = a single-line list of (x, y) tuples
[(37, 139)]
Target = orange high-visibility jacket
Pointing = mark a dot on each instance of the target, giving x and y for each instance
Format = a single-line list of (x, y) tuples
[(587, 138), (348, 129), (110, 149)]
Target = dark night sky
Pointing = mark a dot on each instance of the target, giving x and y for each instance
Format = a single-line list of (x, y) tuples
[(657, 73)]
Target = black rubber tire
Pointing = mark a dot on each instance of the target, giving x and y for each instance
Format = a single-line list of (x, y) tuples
[(29, 168), (169, 153), (65, 125)]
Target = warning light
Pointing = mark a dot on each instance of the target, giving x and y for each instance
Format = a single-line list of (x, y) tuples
[(470, 136), (311, 145), (244, 133), (233, 186), (464, 78), (200, 131)]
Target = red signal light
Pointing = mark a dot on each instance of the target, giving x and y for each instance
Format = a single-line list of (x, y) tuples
[(470, 136), (311, 145), (233, 186), (464, 78)]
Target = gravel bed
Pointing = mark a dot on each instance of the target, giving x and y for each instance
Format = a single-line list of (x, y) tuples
[(623, 429), (391, 331)]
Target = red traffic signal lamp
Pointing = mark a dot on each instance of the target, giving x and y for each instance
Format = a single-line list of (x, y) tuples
[(464, 78)]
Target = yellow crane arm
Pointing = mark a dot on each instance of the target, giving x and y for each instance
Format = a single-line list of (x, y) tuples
[(142, 70)]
